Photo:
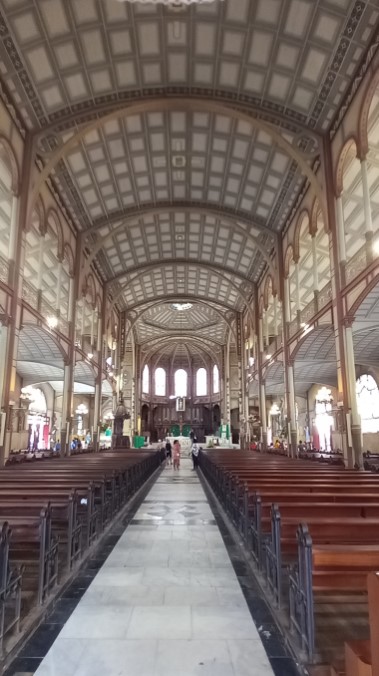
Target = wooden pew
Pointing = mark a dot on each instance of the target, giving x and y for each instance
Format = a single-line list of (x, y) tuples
[(336, 569), (10, 589)]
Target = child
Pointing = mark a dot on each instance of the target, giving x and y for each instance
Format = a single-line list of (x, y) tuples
[(176, 454)]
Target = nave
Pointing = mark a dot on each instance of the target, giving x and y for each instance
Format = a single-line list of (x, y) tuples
[(172, 597)]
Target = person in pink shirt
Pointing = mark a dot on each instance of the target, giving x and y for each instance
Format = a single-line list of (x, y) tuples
[(176, 454)]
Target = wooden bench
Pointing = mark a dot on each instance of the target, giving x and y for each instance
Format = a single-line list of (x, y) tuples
[(10, 589), (325, 569)]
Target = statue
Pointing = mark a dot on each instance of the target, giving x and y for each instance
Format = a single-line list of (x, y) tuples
[(121, 426)]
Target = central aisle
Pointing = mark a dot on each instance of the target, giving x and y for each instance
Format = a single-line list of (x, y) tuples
[(166, 602)]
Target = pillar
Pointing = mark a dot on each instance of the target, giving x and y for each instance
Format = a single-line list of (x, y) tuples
[(292, 412), (289, 385), (68, 383), (13, 234), (367, 211), (297, 286), (338, 278), (315, 272), (267, 335), (59, 288), (356, 430), (99, 375), (16, 272), (263, 414), (40, 272), (258, 364), (340, 240)]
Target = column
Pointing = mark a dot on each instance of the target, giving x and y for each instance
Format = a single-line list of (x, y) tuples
[(338, 263), (66, 405), (276, 317), (258, 365), (3, 350), (297, 284), (99, 376), (68, 383), (92, 329), (263, 414), (267, 335), (13, 232), (82, 323), (287, 301), (40, 272), (59, 288), (367, 211), (315, 272), (292, 409), (341, 242), (355, 419)]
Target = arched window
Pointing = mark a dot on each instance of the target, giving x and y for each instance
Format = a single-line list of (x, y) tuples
[(180, 383), (201, 382), (145, 380), (160, 382), (368, 403), (216, 380)]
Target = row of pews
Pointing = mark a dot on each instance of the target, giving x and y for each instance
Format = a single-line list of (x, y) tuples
[(51, 515), (314, 536), (333, 457)]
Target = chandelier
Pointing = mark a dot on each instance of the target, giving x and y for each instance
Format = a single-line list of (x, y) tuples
[(171, 3)]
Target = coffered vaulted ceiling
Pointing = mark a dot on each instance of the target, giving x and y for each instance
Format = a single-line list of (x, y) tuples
[(181, 201)]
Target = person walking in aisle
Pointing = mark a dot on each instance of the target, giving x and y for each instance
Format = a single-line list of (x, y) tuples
[(195, 453), (176, 454)]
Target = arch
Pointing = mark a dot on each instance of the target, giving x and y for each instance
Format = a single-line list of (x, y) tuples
[(152, 210), (187, 104), (179, 261), (348, 152), (266, 290), (199, 342), (89, 288), (321, 337), (69, 257), (9, 156), (358, 301), (151, 304), (39, 211), (48, 349), (261, 305), (53, 221), (368, 402), (313, 219), (288, 257), (154, 264), (362, 143), (296, 239)]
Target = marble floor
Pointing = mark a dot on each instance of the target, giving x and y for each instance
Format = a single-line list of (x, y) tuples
[(166, 601)]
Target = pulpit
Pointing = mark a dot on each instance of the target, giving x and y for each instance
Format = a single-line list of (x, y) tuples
[(121, 427)]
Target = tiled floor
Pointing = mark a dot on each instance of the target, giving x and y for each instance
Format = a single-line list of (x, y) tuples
[(166, 601)]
